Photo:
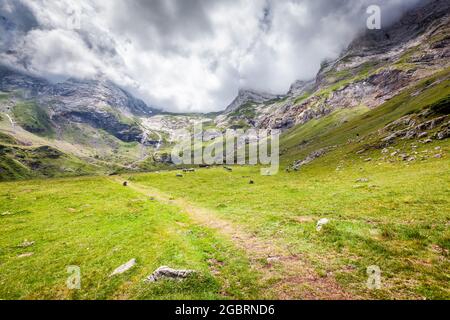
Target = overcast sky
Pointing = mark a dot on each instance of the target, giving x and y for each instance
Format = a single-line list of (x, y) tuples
[(183, 55)]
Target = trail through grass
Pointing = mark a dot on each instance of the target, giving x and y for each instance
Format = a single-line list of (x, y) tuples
[(286, 275), (397, 220), (98, 225)]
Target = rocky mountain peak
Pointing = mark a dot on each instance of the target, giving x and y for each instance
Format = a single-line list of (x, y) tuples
[(247, 95), (408, 27), (100, 92), (300, 87)]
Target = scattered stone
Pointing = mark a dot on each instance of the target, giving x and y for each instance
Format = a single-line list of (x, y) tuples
[(422, 135), (125, 184), (443, 134), (361, 151), (404, 156), (351, 267), (385, 151), (228, 169), (410, 159), (26, 244), (368, 160), (310, 158), (166, 272), (393, 154), (25, 255), (271, 260), (438, 156), (252, 182), (321, 223), (437, 148), (391, 138), (428, 141), (362, 180), (179, 175), (124, 268)]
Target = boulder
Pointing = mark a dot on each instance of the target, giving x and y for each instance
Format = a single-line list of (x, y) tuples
[(168, 273), (310, 158), (321, 223), (124, 268), (422, 135), (26, 244)]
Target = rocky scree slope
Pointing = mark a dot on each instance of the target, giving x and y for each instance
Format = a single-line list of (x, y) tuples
[(98, 103)]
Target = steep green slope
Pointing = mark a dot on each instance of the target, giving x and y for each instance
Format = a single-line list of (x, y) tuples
[(19, 162), (354, 128), (33, 118)]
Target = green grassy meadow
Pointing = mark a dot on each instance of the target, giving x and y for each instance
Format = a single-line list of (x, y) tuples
[(98, 225), (388, 206), (398, 220)]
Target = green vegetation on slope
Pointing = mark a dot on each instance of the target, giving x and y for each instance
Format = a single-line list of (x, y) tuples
[(7, 139), (353, 124), (33, 118), (19, 162)]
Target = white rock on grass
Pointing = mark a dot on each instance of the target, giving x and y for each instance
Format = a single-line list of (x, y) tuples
[(26, 244), (124, 268), (166, 272), (321, 223)]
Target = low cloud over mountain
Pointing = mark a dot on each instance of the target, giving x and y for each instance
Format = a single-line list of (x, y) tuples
[(186, 55)]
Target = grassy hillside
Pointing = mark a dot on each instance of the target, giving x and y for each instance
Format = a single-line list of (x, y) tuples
[(33, 118), (356, 124), (18, 162)]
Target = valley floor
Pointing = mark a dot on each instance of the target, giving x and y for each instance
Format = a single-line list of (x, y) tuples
[(245, 240)]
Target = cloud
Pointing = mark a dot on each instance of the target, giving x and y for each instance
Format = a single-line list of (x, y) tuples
[(183, 55)]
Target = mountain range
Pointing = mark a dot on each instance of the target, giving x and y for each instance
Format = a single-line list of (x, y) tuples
[(94, 126)]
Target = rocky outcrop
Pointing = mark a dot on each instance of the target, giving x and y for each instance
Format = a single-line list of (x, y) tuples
[(310, 158), (77, 94), (103, 120), (168, 273), (375, 67), (246, 96), (11, 80), (301, 87), (99, 103)]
